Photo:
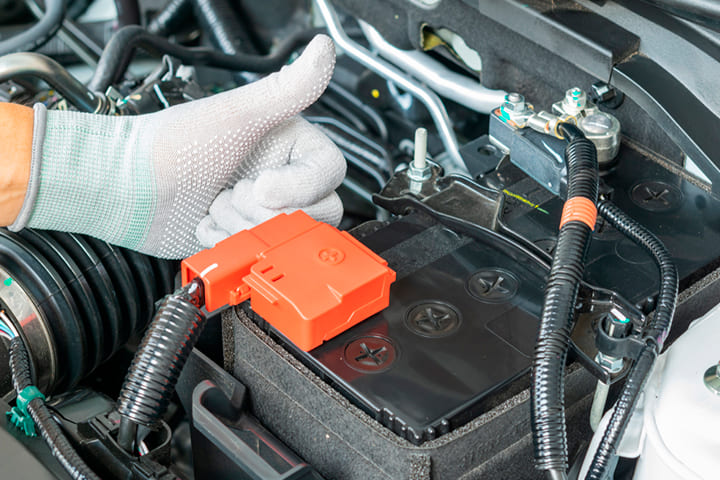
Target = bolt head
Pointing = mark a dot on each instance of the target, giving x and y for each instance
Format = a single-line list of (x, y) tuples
[(611, 364), (575, 100), (602, 91), (514, 102)]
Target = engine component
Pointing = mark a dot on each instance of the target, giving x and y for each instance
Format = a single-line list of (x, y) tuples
[(444, 81), (39, 66), (654, 335), (75, 300), (39, 33), (382, 68), (675, 408)]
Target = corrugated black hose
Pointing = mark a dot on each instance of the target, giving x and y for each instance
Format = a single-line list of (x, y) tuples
[(218, 19), (159, 360), (120, 49), (50, 431), (558, 314), (655, 334), (170, 18)]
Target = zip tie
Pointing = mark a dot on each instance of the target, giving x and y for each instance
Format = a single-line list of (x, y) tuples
[(579, 209), (19, 415)]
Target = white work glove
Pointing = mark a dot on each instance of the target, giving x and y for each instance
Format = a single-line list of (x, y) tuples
[(294, 166), (146, 182)]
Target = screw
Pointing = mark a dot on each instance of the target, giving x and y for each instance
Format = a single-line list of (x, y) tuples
[(575, 100), (419, 170)]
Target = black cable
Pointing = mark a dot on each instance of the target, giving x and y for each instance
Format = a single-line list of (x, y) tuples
[(121, 48), (170, 18), (218, 19), (161, 356), (37, 35), (128, 12), (558, 314), (50, 431), (655, 334)]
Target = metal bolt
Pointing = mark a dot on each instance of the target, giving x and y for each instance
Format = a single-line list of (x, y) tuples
[(611, 364), (602, 91), (419, 170), (575, 101), (514, 102)]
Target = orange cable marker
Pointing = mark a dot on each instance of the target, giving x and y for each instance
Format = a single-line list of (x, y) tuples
[(579, 209)]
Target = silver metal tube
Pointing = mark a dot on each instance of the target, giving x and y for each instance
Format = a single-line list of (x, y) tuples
[(598, 406), (429, 98), (28, 64), (463, 90)]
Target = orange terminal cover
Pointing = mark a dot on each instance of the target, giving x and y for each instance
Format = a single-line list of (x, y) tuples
[(307, 279)]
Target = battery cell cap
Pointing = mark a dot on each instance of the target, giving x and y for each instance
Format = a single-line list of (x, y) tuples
[(307, 279)]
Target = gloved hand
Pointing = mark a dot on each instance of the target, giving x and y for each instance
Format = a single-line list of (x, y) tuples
[(146, 182), (294, 165)]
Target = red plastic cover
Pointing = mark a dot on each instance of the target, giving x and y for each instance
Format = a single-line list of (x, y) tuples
[(307, 279)]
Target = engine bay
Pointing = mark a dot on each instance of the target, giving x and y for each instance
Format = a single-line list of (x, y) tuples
[(523, 283)]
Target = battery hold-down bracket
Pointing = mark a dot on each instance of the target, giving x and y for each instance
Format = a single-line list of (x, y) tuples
[(307, 279)]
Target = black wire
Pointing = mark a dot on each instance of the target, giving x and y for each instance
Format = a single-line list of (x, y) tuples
[(558, 313), (170, 18), (37, 35), (49, 430), (122, 46), (128, 12), (655, 333)]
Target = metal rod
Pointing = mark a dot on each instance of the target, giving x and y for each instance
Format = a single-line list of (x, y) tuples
[(431, 101), (126, 434), (464, 90), (28, 64)]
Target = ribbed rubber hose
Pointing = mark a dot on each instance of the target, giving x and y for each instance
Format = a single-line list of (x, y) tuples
[(49, 430), (37, 35), (655, 333), (558, 314), (219, 20), (120, 49), (161, 356), (170, 18)]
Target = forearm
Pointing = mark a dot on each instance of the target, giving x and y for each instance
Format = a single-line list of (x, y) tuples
[(16, 129)]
